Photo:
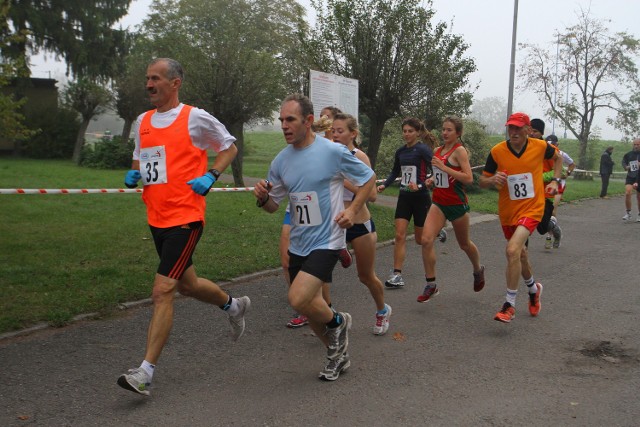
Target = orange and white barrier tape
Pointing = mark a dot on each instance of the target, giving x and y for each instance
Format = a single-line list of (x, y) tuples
[(119, 190), (98, 190)]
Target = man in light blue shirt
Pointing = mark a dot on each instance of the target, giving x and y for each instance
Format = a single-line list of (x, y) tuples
[(311, 171)]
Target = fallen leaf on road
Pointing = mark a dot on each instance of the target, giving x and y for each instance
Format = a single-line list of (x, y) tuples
[(399, 336)]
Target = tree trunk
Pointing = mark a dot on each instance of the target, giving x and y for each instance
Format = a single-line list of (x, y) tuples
[(77, 150), (236, 129), (126, 131), (582, 154), (375, 138)]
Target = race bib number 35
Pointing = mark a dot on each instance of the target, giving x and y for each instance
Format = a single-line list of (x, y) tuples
[(153, 165), (520, 186), (305, 209)]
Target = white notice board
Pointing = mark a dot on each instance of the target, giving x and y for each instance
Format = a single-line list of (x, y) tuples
[(333, 90)]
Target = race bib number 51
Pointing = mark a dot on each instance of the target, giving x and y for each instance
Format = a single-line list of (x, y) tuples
[(440, 178), (153, 165), (305, 209), (520, 186)]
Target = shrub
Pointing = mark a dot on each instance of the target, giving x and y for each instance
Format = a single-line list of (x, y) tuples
[(108, 153), (56, 137), (391, 141)]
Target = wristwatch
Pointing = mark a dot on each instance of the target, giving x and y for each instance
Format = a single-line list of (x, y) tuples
[(215, 173), (558, 180)]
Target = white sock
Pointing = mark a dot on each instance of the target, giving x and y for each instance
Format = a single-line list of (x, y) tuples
[(149, 368), (530, 282), (511, 297), (233, 307)]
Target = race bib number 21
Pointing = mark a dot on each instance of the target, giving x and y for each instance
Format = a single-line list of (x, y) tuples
[(305, 209)]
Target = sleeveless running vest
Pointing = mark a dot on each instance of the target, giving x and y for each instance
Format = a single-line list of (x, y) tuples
[(447, 190), (168, 159)]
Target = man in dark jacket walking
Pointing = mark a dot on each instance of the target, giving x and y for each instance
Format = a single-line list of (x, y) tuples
[(606, 169)]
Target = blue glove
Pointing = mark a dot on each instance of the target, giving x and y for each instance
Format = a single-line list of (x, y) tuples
[(131, 178), (203, 184)]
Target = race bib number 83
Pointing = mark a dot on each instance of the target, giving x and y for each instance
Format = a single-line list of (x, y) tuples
[(520, 186)]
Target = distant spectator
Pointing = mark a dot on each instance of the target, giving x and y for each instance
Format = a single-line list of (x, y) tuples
[(606, 169), (631, 164)]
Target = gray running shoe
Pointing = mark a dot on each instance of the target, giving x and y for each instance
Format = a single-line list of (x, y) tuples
[(442, 235), (137, 380), (557, 235), (638, 220), (339, 338), (626, 217), (382, 322), (547, 242), (334, 368), (237, 321), (394, 281)]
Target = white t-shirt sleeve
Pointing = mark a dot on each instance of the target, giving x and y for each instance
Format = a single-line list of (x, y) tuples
[(136, 137), (207, 132), (566, 158)]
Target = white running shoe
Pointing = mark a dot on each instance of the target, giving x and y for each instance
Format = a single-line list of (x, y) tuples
[(335, 367), (382, 322), (338, 338), (137, 380), (626, 217), (394, 281), (237, 322)]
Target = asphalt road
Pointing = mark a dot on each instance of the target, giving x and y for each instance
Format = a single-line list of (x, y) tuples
[(446, 362)]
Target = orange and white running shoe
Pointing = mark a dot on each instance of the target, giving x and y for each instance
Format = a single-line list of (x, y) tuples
[(534, 301), (506, 313)]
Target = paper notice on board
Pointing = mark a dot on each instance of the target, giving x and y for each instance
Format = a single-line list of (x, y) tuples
[(333, 90)]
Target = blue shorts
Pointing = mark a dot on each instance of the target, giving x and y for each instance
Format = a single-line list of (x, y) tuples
[(359, 230)]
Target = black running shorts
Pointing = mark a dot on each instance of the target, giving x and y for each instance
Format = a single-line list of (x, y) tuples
[(318, 263), (175, 246)]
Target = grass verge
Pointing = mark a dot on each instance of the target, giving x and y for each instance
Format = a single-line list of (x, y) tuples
[(64, 255)]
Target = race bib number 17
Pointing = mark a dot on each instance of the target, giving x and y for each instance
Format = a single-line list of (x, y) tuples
[(409, 175), (153, 165)]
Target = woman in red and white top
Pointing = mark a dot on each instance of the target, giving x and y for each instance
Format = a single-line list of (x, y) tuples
[(451, 172)]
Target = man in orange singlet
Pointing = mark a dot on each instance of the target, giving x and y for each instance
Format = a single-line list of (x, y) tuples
[(515, 168), (170, 157)]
